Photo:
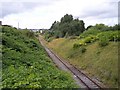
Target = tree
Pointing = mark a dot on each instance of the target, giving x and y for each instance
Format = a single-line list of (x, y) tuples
[(53, 25), (116, 27), (66, 19), (89, 27), (77, 27), (100, 26), (67, 26), (103, 27)]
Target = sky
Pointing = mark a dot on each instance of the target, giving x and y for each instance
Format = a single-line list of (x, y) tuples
[(40, 14)]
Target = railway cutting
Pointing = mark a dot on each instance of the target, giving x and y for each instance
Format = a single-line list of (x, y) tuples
[(81, 79)]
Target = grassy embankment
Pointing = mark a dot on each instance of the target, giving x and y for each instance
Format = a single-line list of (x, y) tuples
[(98, 61), (25, 63)]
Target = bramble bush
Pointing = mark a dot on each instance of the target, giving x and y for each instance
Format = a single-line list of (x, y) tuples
[(86, 40), (106, 37), (90, 39), (90, 31), (103, 41), (103, 37), (111, 35), (82, 43)]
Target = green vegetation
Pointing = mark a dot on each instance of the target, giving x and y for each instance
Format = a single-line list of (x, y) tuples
[(65, 28), (69, 27), (88, 37), (95, 51), (25, 63)]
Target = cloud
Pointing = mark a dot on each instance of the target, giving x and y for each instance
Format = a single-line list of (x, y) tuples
[(42, 13), (100, 10), (12, 6), (15, 7)]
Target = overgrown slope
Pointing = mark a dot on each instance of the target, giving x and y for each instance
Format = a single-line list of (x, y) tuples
[(93, 51), (25, 63)]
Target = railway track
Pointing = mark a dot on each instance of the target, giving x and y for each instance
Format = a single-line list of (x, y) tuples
[(88, 82), (83, 78)]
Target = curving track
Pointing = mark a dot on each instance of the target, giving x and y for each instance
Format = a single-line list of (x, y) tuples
[(81, 78)]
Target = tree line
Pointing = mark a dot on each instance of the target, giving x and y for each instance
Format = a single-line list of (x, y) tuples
[(68, 26)]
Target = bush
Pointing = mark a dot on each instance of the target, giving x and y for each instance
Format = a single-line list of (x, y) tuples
[(82, 43), (104, 37), (83, 49), (103, 41), (88, 39), (89, 32), (76, 45), (30, 34), (111, 35), (114, 36)]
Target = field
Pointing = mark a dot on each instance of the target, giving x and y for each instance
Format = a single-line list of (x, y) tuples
[(25, 63), (97, 59)]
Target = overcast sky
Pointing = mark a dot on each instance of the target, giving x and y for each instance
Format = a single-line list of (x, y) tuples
[(42, 13)]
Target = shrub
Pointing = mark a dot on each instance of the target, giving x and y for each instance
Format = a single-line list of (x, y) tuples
[(103, 41), (83, 49), (104, 37), (89, 32), (82, 42), (114, 36), (30, 34), (76, 45), (111, 35), (89, 39)]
